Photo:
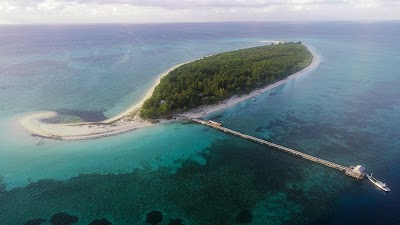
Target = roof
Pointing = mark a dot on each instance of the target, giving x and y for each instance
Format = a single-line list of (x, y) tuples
[(359, 169)]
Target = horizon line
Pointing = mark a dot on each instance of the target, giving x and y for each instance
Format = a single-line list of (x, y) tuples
[(198, 22)]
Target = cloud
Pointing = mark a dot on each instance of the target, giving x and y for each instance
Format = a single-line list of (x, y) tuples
[(139, 11), (198, 4)]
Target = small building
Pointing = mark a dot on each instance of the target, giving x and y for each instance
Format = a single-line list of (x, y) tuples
[(358, 169)]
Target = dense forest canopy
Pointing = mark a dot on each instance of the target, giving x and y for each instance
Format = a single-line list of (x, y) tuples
[(218, 77)]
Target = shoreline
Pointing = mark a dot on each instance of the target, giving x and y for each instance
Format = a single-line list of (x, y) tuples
[(125, 121), (148, 94), (208, 109), (117, 124)]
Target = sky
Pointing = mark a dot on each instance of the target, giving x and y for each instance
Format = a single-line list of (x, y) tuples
[(161, 11)]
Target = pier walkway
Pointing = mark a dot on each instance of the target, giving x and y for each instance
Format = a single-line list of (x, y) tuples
[(347, 170)]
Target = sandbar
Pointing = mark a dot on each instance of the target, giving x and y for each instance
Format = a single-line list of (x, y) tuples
[(125, 121)]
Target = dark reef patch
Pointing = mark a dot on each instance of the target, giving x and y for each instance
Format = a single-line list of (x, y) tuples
[(237, 175), (322, 137), (261, 129), (36, 221), (63, 219), (216, 117), (154, 217), (176, 221), (103, 221), (2, 185), (244, 216), (85, 115)]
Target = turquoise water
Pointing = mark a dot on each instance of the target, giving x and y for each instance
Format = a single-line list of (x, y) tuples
[(346, 112)]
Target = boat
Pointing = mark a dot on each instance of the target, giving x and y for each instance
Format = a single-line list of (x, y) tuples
[(378, 183), (253, 99)]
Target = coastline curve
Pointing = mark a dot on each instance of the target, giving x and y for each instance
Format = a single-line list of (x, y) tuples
[(208, 109), (123, 122), (129, 119)]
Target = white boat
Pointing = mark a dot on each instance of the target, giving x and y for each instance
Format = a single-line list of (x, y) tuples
[(378, 183)]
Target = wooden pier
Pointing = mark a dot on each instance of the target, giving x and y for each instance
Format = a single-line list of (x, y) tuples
[(349, 171)]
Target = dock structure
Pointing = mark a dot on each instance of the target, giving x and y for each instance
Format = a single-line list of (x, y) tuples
[(349, 171)]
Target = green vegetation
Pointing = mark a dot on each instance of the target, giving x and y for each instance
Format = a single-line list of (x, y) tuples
[(218, 77)]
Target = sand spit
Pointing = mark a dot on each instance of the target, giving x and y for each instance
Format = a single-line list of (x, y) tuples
[(129, 119), (126, 121)]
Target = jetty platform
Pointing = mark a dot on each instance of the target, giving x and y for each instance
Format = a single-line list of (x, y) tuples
[(351, 171)]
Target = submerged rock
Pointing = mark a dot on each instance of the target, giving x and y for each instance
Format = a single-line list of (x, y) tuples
[(103, 221), (63, 219), (154, 217), (176, 221), (36, 221), (244, 216)]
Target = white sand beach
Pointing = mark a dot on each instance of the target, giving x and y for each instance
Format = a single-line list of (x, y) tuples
[(129, 119), (126, 121), (208, 109)]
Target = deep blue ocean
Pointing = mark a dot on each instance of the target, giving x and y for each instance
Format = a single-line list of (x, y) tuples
[(347, 111)]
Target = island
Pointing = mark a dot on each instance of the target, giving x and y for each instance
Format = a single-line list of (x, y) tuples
[(215, 78), (192, 90)]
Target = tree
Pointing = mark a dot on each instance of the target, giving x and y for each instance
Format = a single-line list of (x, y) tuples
[(215, 78)]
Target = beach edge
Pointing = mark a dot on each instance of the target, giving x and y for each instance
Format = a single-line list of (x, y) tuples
[(129, 119)]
